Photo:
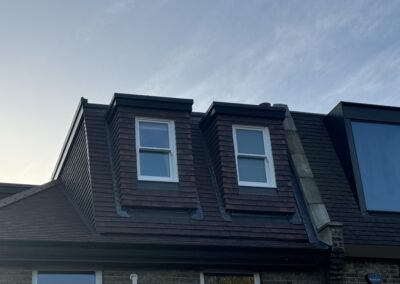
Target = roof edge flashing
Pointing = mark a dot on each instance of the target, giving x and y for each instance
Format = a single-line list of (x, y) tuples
[(264, 110), (149, 102), (70, 138)]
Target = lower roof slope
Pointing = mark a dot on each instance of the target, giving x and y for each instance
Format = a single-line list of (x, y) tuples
[(41, 213), (7, 189), (337, 192)]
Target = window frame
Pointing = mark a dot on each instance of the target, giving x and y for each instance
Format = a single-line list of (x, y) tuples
[(268, 157), (256, 275), (98, 274), (173, 163)]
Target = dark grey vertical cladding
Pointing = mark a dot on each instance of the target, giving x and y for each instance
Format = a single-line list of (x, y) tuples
[(76, 175)]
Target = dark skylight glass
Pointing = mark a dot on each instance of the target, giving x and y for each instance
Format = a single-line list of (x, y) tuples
[(378, 154)]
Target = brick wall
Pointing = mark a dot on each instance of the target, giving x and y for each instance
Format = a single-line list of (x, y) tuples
[(10, 275), (151, 276), (356, 270), (336, 268), (122, 276), (293, 277), (193, 277)]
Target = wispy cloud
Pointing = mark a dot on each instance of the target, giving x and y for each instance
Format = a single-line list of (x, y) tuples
[(308, 54), (308, 64)]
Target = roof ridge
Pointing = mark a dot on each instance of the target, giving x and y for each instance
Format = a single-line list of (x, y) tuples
[(26, 193)]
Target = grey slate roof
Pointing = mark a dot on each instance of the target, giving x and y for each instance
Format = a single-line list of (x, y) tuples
[(7, 189)]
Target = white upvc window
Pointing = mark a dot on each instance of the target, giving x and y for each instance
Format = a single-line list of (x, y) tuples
[(66, 277), (156, 150), (239, 278), (253, 155)]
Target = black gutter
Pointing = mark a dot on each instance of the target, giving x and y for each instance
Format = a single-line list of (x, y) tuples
[(162, 255)]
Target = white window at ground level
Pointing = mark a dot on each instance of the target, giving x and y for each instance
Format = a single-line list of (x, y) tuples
[(156, 150), (222, 278), (75, 277), (254, 162)]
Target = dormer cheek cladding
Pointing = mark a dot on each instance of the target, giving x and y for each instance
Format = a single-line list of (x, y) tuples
[(135, 193), (218, 132)]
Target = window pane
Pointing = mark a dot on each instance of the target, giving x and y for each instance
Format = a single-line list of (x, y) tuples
[(154, 164), (378, 153), (154, 134), (66, 278), (250, 141), (226, 279), (252, 170)]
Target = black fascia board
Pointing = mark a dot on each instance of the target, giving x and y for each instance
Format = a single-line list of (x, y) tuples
[(243, 110), (151, 102), (369, 112), (161, 255)]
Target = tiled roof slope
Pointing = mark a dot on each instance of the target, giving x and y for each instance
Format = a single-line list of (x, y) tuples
[(45, 215), (50, 216), (336, 190), (7, 189), (211, 225), (83, 203)]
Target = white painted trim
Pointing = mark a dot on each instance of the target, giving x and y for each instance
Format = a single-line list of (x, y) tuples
[(268, 157), (257, 278), (98, 275), (134, 278), (173, 161), (34, 276), (201, 277)]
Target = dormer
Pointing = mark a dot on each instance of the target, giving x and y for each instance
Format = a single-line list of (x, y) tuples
[(249, 154), (151, 148), (367, 139)]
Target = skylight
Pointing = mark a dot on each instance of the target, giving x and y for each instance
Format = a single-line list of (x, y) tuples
[(378, 155)]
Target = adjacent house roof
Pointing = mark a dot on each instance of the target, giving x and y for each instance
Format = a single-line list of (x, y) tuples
[(338, 191), (7, 189)]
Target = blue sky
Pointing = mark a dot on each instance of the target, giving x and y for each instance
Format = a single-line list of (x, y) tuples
[(307, 54)]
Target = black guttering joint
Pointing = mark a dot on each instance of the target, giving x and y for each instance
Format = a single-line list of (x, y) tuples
[(70, 138), (257, 111), (148, 102)]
